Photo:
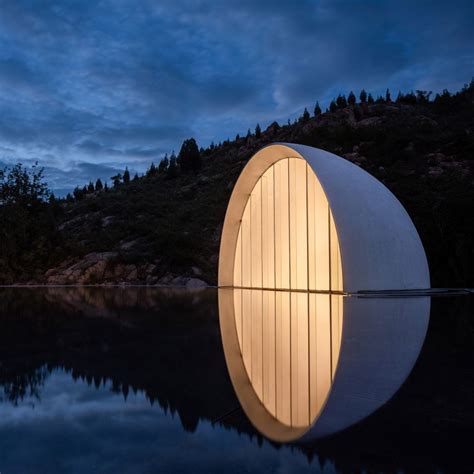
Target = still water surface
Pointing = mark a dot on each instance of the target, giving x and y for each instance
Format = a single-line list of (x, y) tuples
[(134, 380)]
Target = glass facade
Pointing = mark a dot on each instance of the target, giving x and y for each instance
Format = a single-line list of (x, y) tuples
[(287, 264), (287, 237)]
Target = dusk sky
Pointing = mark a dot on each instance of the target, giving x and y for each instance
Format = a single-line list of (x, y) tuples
[(89, 87)]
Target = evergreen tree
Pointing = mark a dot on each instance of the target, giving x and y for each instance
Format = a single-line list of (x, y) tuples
[(237, 137), (258, 131), (77, 193), (317, 109), (363, 96), (189, 158), (423, 97), (106, 187), (151, 171), (126, 176), (370, 99), (163, 166), (135, 178), (400, 97), (388, 99), (341, 101), (409, 99), (98, 185), (117, 179), (351, 98), (442, 98), (332, 106), (90, 187), (249, 133), (172, 170), (305, 116)]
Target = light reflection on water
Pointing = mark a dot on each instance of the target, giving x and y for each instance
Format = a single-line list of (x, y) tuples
[(134, 380)]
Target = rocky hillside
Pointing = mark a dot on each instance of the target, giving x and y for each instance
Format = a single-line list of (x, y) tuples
[(165, 229)]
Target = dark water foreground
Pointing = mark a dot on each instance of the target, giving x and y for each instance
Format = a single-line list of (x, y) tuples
[(134, 380)]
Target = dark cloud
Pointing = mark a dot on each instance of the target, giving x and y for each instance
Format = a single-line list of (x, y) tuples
[(121, 83)]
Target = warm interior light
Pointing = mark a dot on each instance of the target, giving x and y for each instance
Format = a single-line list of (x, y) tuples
[(290, 345), (289, 340), (287, 237)]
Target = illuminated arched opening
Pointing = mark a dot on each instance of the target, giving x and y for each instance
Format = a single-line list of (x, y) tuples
[(287, 238), (286, 258)]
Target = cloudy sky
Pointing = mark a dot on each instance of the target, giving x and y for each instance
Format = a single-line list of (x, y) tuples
[(89, 87)]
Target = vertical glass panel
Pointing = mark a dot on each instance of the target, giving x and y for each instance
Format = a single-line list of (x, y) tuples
[(238, 260), (298, 225), (268, 230), (247, 331), (246, 248), (238, 315), (282, 357), (299, 360), (282, 244), (256, 234), (269, 354), (321, 219), (311, 218), (257, 338), (292, 202)]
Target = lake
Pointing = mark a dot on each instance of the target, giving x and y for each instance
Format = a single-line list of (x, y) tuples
[(127, 380)]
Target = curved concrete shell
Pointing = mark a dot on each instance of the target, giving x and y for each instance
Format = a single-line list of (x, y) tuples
[(303, 228), (379, 246)]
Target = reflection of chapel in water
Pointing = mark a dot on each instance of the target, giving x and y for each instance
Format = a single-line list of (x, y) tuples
[(302, 229), (290, 346)]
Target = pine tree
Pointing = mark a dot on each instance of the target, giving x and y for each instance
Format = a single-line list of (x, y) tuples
[(98, 185), (258, 131), (77, 193), (151, 171), (90, 187), (106, 187), (172, 170), (189, 158), (388, 99), (351, 98), (317, 109), (305, 116), (135, 177), (126, 176), (363, 96), (332, 106), (341, 101), (117, 179), (370, 99), (423, 97), (237, 137), (163, 166)]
